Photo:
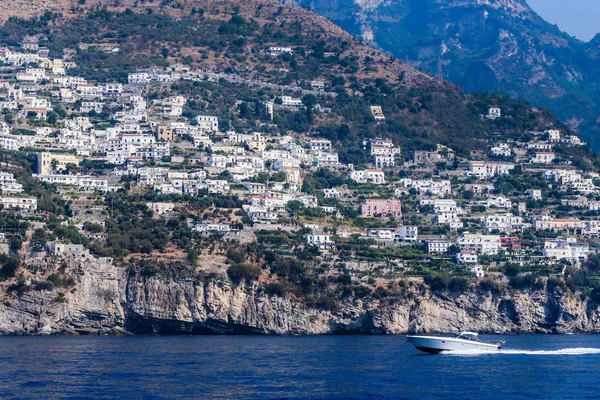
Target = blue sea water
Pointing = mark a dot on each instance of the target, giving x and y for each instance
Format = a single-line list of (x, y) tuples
[(319, 367)]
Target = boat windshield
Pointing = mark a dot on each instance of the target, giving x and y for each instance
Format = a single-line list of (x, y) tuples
[(468, 336)]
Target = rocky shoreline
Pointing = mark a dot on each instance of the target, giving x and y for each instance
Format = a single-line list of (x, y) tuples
[(109, 300)]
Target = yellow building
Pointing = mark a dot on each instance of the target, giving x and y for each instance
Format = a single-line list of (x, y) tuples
[(164, 133), (56, 64), (46, 161)]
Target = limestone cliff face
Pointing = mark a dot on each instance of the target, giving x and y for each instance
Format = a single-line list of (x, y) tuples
[(106, 300)]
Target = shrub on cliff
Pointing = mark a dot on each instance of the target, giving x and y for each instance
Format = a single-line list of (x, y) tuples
[(522, 282), (362, 291), (458, 284), (595, 294), (43, 286), (554, 283), (512, 269), (278, 288), (437, 282), (243, 271), (9, 266), (237, 255), (492, 286)]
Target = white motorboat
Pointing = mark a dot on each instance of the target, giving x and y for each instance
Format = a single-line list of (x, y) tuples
[(464, 342)]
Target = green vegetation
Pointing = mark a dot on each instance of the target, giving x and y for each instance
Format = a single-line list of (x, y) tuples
[(478, 60), (243, 272)]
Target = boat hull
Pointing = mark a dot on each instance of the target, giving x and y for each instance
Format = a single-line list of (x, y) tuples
[(435, 345)]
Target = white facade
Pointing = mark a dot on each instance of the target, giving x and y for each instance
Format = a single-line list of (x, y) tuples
[(485, 170), (502, 149), (467, 257), (321, 241), (373, 176), (319, 145), (438, 246), (482, 244), (384, 161), (428, 186), (502, 222), (407, 233), (28, 204), (208, 122), (566, 249), (290, 102), (544, 157), (497, 202), (278, 50), (9, 184), (84, 182)]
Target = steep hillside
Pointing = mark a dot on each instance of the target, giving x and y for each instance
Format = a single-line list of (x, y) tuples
[(222, 214), (484, 46), (231, 37)]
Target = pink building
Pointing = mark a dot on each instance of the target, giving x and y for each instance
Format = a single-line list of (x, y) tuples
[(380, 207)]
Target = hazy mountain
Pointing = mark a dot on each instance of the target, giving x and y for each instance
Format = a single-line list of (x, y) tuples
[(484, 45)]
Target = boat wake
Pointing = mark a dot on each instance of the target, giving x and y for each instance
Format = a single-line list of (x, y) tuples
[(578, 351)]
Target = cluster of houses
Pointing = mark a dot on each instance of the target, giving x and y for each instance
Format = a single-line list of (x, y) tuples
[(267, 171)]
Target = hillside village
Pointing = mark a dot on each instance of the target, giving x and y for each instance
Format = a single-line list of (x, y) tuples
[(517, 203), (131, 172)]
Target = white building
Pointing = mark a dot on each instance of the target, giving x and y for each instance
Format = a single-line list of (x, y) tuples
[(428, 186), (553, 135), (377, 113), (84, 182), (543, 157), (534, 194), (502, 150), (485, 170), (28, 204), (383, 147), (290, 102), (502, 222), (8, 183), (278, 50), (384, 160), (323, 242), (467, 257), (449, 218), (88, 106), (260, 213), (138, 78), (566, 249), (482, 244), (217, 186), (325, 159), (207, 122), (407, 233), (319, 145), (497, 202), (443, 206), (438, 246), (374, 176), (112, 89), (494, 113), (332, 193)]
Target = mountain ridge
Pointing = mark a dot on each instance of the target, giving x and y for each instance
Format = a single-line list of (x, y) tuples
[(484, 46)]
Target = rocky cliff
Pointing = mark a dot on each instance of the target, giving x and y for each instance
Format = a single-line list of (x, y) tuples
[(109, 300)]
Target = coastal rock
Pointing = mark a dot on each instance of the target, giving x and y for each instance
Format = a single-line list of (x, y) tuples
[(107, 299)]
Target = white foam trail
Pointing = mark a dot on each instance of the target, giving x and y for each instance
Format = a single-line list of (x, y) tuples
[(578, 351)]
